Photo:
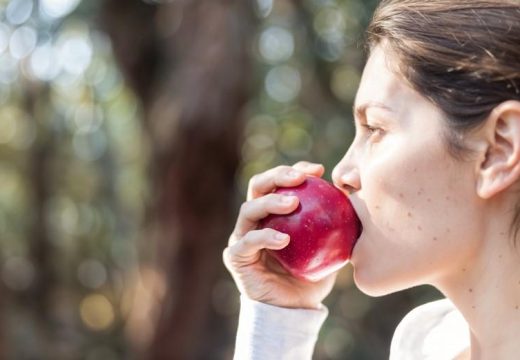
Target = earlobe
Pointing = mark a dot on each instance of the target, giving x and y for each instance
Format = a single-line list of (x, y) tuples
[(500, 167)]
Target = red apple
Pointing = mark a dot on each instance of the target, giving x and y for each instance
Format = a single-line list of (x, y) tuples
[(323, 230)]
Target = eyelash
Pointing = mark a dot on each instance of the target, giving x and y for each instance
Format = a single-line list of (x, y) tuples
[(372, 130)]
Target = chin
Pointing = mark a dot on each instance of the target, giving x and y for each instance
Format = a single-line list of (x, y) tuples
[(374, 286)]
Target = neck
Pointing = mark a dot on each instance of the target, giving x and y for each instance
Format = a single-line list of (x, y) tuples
[(486, 290)]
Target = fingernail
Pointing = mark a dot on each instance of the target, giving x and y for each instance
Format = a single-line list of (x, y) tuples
[(288, 199), (280, 236)]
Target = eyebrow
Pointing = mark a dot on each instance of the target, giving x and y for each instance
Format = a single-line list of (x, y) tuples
[(359, 111)]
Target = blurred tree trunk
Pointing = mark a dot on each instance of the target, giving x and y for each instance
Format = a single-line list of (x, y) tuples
[(188, 63), (37, 297)]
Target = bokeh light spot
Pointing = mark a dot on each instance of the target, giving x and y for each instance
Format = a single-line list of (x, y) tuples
[(97, 312), (329, 23), (5, 34), (344, 83), (283, 83), (264, 7), (18, 11), (276, 44), (92, 273), (44, 63), (22, 42), (295, 142), (75, 53), (58, 8), (8, 69)]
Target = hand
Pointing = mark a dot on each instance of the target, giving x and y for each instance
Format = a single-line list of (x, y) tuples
[(256, 274)]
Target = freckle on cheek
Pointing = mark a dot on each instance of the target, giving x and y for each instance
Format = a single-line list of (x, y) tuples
[(429, 200), (409, 214), (401, 196), (419, 228), (434, 238)]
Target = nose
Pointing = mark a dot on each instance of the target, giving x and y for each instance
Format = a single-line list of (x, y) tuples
[(346, 174)]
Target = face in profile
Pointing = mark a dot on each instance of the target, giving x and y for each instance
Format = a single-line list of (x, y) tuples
[(421, 215)]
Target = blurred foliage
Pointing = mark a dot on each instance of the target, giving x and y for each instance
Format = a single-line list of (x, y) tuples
[(63, 101)]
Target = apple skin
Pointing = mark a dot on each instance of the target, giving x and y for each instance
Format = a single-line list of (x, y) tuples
[(323, 230)]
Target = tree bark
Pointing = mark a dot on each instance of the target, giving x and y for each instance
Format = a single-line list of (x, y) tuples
[(188, 62)]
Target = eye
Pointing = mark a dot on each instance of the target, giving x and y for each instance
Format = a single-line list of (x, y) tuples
[(373, 130)]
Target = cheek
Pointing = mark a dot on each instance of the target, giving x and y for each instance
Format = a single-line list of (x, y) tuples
[(417, 214), (413, 192)]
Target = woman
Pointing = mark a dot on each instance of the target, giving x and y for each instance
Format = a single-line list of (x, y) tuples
[(434, 174)]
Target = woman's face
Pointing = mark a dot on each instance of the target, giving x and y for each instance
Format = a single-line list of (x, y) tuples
[(419, 208)]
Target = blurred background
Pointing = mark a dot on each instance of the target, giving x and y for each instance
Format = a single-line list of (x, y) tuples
[(128, 132)]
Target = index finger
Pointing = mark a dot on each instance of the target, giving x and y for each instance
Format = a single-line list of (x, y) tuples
[(280, 176)]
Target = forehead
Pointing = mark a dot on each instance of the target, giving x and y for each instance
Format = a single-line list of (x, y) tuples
[(379, 83)]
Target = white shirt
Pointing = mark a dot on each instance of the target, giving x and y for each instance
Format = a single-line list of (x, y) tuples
[(435, 330)]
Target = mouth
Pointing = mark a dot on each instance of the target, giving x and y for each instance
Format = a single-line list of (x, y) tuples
[(360, 226)]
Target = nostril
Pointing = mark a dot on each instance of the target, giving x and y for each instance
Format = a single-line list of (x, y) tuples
[(348, 188)]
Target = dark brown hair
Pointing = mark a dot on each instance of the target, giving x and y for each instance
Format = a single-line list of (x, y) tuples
[(464, 56)]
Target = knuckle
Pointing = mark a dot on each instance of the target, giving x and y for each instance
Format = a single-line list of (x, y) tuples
[(253, 181), (271, 198), (271, 202), (225, 254), (227, 258), (283, 169), (301, 164), (248, 238), (244, 207)]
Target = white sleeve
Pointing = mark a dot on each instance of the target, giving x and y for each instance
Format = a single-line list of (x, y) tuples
[(268, 332)]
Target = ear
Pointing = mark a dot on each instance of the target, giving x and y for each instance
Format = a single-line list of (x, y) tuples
[(500, 166)]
